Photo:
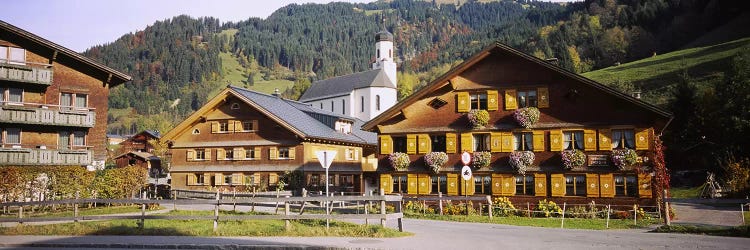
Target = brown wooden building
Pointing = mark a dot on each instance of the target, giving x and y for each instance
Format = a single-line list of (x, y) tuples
[(242, 139), (575, 113), (140, 142), (54, 102)]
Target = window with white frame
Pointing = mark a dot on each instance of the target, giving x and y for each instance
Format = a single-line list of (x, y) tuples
[(63, 140), (343, 127), (283, 153), (523, 141), (17, 56), (481, 142), (76, 100), (79, 138), (12, 136), (14, 95), (3, 54), (573, 140)]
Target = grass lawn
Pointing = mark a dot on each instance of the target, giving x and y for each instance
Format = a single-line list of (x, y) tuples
[(740, 231), (68, 212), (686, 192), (570, 223), (205, 228)]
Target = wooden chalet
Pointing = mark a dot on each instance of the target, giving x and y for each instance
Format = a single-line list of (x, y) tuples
[(140, 142), (242, 139), (574, 113)]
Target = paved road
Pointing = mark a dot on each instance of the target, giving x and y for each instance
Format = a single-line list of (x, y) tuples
[(428, 235), (691, 213)]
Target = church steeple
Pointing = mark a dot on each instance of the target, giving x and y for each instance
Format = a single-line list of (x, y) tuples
[(384, 53)]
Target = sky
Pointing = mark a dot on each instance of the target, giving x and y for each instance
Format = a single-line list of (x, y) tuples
[(81, 24)]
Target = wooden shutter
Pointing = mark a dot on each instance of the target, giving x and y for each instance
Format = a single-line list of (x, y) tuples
[(589, 140), (241, 178), (543, 97), (644, 186), (206, 179), (411, 144), (190, 154), (273, 153), (496, 142), (425, 184), (238, 126), (208, 154), (605, 139), (214, 127), (641, 139), (540, 184), (510, 99), (236, 179), (425, 144), (256, 178), (558, 185), (463, 102), (411, 181), (492, 100), (450, 143), (555, 140), (607, 185), (239, 154), (509, 185), (592, 185), (497, 184), (467, 142), (452, 184), (538, 141), (507, 142), (386, 183), (258, 151), (467, 187), (220, 154), (273, 178), (386, 144), (219, 179), (292, 153), (191, 179), (230, 125)]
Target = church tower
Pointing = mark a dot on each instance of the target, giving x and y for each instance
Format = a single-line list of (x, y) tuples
[(384, 54)]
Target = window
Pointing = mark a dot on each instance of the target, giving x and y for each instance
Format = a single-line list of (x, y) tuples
[(523, 141), (438, 143), (527, 99), (439, 184), (200, 154), (228, 179), (343, 106), (399, 144), (196, 131), (573, 140), (479, 101), (524, 184), (346, 180), (250, 153), (623, 138), (343, 127), (66, 99), (283, 153), (575, 185), (248, 126), (315, 180), (14, 95), (362, 106), (81, 101), (482, 184), (235, 106), (199, 179), (14, 56), (12, 136), (74, 100), (63, 140), (79, 138), (321, 105), (378, 53), (399, 184), (331, 106), (481, 142), (377, 102), (626, 185), (3, 54), (224, 126), (351, 154), (229, 153)]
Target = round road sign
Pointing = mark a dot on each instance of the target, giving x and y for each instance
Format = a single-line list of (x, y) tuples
[(466, 173), (466, 158)]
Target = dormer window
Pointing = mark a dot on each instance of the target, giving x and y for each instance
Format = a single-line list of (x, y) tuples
[(344, 127)]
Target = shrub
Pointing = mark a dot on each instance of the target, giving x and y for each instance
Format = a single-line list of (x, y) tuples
[(417, 208), (399, 160), (478, 118), (458, 209), (573, 158), (520, 160), (481, 159), (435, 160), (502, 206), (548, 209), (526, 117), (623, 158)]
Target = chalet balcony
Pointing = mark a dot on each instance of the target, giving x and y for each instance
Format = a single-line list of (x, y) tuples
[(42, 114), (43, 156), (27, 72)]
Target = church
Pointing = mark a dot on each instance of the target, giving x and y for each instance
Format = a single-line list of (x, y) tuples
[(363, 95)]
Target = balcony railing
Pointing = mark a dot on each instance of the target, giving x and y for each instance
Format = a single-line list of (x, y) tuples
[(43, 156), (36, 73), (44, 114)]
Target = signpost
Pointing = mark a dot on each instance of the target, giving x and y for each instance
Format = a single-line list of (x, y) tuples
[(466, 174), (325, 157)]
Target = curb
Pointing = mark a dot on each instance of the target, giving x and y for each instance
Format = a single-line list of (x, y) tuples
[(164, 246)]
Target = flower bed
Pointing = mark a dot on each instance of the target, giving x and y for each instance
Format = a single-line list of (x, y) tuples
[(623, 158), (526, 117), (435, 160), (481, 159), (399, 161), (520, 160), (478, 118), (573, 159)]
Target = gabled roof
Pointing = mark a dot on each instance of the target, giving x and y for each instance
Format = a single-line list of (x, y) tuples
[(497, 46), (114, 77), (153, 133), (300, 118), (142, 155), (343, 85)]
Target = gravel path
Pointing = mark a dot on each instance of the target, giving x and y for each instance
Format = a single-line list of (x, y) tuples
[(692, 213)]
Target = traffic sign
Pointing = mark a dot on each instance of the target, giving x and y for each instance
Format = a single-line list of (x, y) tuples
[(325, 157), (466, 173), (466, 158)]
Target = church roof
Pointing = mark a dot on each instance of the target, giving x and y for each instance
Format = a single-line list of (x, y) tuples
[(343, 85)]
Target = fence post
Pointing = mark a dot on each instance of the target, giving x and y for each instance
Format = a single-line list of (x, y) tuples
[(742, 213), (382, 207), (440, 204), (287, 226), (489, 206), (216, 212), (277, 202), (75, 208), (528, 209), (562, 222), (667, 220), (252, 209), (400, 222), (174, 200), (635, 214), (609, 211), (367, 223), (141, 223), (302, 208), (234, 199), (20, 214)]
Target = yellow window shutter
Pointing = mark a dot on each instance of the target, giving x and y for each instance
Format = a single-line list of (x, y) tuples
[(509, 185), (558, 185), (241, 178), (496, 142), (543, 97), (589, 140), (605, 139), (208, 154), (538, 141), (607, 185), (592, 185), (467, 187), (214, 127), (236, 178), (467, 142), (492, 100), (644, 186), (256, 178), (510, 99), (238, 126), (452, 184), (386, 183), (219, 179), (555, 140), (239, 153), (540, 184), (292, 153), (463, 102), (386, 144), (230, 125), (190, 179), (273, 178), (641, 139), (190, 154), (412, 183), (411, 144), (206, 179), (497, 184), (425, 143), (507, 142), (425, 185), (257, 151), (450, 143), (273, 153), (220, 154)]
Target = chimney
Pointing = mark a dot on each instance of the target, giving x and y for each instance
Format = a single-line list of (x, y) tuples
[(276, 92)]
